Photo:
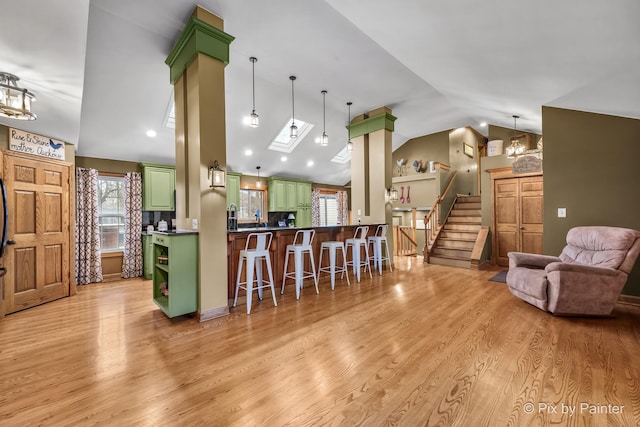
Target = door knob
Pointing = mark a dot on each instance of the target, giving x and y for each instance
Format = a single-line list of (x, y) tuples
[(11, 242), (521, 228)]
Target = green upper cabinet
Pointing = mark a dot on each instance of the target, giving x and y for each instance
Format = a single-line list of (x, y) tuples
[(303, 192), (292, 199), (277, 195), (288, 195), (158, 187), (233, 189)]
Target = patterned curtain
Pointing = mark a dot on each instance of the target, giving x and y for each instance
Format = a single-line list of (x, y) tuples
[(132, 256), (343, 207), (315, 207), (88, 261)]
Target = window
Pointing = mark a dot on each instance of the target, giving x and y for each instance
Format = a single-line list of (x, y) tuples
[(251, 203), (328, 210), (111, 213)]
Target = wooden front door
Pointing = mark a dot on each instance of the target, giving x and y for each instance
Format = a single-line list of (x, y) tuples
[(518, 215), (39, 210)]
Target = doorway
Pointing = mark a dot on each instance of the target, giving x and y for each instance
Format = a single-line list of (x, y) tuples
[(38, 254), (517, 214)]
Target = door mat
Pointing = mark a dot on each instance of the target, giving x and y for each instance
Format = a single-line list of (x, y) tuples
[(500, 277)]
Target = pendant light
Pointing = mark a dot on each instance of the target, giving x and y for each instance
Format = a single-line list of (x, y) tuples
[(258, 182), (515, 148), (255, 119), (15, 102), (349, 143), (325, 138), (293, 130)]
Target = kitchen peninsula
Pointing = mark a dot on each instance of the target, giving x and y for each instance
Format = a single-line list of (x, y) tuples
[(283, 236)]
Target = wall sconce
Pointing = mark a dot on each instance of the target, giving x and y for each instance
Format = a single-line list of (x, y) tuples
[(392, 194), (216, 176)]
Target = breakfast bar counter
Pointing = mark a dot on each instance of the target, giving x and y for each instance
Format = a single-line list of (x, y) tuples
[(283, 236)]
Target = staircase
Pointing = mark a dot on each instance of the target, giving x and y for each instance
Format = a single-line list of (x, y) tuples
[(458, 236)]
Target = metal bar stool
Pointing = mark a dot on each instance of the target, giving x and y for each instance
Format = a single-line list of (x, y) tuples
[(359, 240), (332, 247), (255, 250), (377, 239), (300, 246)]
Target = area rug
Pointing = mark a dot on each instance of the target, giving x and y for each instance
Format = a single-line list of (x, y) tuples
[(500, 277)]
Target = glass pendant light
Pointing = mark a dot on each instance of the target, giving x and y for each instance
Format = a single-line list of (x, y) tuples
[(515, 149), (349, 143), (255, 119), (293, 130), (258, 182), (325, 138)]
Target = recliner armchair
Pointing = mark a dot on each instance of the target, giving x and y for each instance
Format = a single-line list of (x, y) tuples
[(586, 279)]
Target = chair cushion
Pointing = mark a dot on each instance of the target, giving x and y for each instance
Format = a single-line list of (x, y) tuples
[(598, 246)]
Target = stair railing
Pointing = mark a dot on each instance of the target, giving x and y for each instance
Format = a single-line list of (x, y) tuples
[(403, 243), (432, 221)]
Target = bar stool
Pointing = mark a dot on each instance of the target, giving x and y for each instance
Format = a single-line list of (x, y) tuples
[(253, 254), (359, 239), (300, 246), (377, 239), (332, 247)]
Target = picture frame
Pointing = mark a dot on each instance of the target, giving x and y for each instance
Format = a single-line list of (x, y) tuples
[(467, 149)]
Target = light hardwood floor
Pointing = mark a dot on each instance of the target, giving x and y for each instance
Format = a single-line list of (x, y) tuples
[(424, 345)]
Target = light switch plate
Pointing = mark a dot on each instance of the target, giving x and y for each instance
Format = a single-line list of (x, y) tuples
[(194, 224), (562, 212)]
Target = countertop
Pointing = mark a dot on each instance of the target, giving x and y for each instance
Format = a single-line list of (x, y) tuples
[(170, 232), (251, 229)]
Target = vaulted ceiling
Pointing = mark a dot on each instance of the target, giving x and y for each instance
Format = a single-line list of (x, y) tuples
[(97, 68)]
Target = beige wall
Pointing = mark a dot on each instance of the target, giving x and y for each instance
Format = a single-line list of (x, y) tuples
[(467, 179), (591, 169)]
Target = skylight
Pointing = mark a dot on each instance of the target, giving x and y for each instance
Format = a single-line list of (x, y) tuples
[(344, 156), (170, 116), (284, 143)]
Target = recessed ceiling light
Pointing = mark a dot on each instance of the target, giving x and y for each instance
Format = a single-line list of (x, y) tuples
[(246, 120), (283, 158), (248, 152), (317, 140), (310, 163), (151, 133), (483, 124)]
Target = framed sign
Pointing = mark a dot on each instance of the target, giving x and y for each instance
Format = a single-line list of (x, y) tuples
[(468, 149), (38, 145)]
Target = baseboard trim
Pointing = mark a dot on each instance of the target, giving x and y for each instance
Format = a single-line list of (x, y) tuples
[(629, 299), (213, 313)]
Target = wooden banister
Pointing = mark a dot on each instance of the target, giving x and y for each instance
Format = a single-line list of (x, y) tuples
[(403, 243), (432, 225)]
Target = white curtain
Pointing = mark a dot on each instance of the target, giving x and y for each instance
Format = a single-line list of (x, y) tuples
[(88, 260), (132, 256)]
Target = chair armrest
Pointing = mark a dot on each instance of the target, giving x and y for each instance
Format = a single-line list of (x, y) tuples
[(521, 259), (581, 268)]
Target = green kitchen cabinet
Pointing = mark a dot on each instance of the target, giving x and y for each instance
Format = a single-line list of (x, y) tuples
[(158, 187), (286, 195), (175, 272), (147, 258), (233, 189), (292, 199), (303, 217), (277, 195), (303, 193)]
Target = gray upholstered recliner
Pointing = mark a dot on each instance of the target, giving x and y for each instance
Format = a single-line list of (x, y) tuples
[(586, 279)]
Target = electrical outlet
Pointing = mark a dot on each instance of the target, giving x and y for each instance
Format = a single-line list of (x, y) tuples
[(194, 224), (359, 212), (562, 212)]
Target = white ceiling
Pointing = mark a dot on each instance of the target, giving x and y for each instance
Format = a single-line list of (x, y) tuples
[(98, 69)]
